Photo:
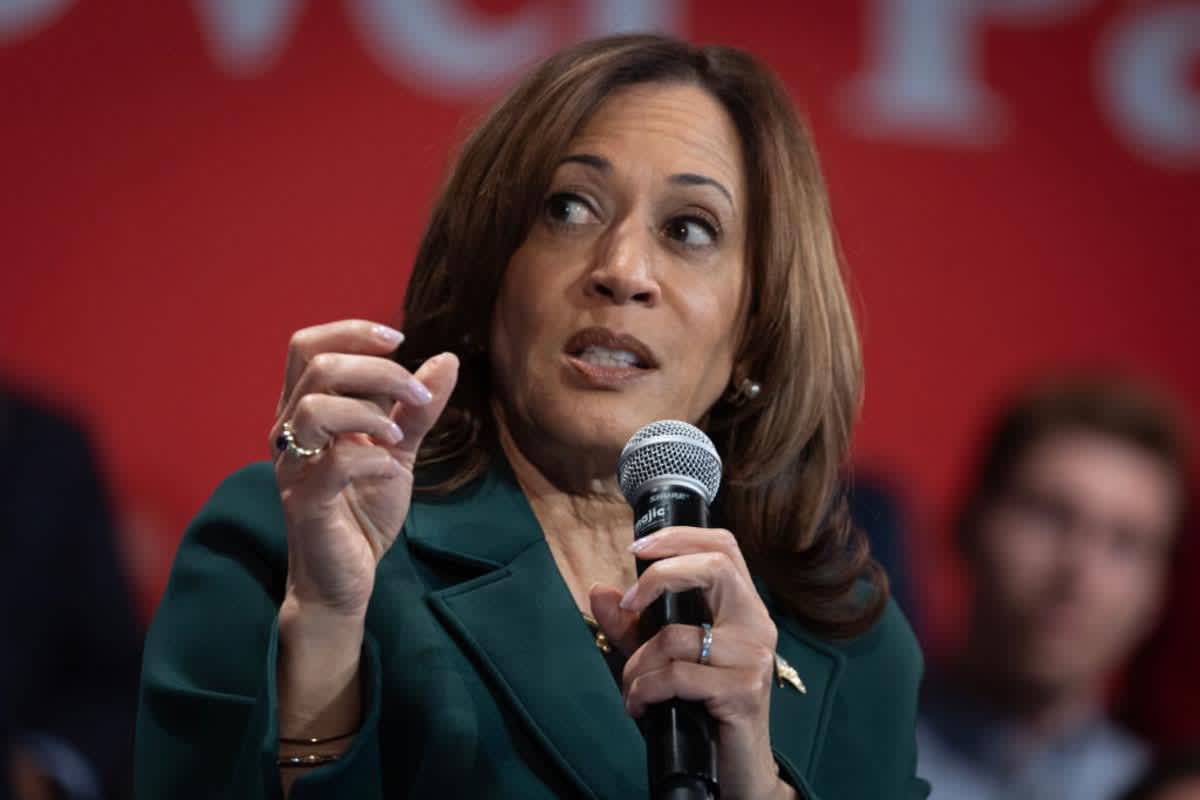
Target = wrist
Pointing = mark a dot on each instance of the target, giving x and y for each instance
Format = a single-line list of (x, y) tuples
[(317, 671), (777, 788), (316, 622)]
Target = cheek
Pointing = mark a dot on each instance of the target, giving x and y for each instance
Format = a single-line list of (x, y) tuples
[(509, 337), (1128, 589), (1014, 563), (711, 324), (503, 337), (518, 311)]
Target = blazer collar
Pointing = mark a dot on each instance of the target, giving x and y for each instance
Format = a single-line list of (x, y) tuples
[(485, 524), (519, 623)]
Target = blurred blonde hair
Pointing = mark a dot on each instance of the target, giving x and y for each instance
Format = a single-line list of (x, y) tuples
[(782, 450)]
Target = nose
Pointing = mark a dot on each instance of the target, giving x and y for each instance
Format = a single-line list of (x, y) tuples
[(1080, 558), (623, 271)]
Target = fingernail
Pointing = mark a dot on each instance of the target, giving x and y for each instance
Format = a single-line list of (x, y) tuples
[(419, 392), (627, 598), (397, 434), (641, 544), (388, 335)]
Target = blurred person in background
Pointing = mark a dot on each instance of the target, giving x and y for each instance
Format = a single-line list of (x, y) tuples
[(1066, 535), (70, 647), (878, 509), (1172, 777)]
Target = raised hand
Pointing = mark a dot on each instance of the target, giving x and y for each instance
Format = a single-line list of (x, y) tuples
[(367, 415), (344, 505)]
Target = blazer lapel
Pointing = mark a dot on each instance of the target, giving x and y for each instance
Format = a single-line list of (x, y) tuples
[(520, 625), (518, 622), (800, 720)]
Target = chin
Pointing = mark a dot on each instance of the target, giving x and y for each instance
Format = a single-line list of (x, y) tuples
[(1053, 670), (599, 425)]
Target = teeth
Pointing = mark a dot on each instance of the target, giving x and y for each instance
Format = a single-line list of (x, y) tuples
[(609, 358)]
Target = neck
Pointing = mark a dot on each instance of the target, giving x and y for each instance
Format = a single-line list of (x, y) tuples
[(1042, 710), (585, 519)]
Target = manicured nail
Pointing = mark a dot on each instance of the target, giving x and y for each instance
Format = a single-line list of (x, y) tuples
[(397, 434), (641, 544), (627, 598), (420, 393), (389, 335)]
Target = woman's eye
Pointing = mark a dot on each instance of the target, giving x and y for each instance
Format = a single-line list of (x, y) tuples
[(568, 209), (691, 231)]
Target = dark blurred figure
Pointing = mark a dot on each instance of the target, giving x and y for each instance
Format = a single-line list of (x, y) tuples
[(1066, 534), (70, 645), (878, 510), (1174, 777)]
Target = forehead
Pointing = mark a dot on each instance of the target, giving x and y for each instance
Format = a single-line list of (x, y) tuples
[(1112, 477), (670, 128)]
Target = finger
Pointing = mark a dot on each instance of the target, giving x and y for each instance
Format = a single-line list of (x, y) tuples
[(319, 418), (344, 336), (343, 462), (728, 592), (360, 376), (679, 540), (724, 691), (683, 643), (439, 375), (619, 625)]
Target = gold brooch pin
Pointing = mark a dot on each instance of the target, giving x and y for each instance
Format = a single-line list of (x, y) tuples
[(785, 672)]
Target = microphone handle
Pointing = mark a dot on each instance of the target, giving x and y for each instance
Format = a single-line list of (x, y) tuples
[(681, 736)]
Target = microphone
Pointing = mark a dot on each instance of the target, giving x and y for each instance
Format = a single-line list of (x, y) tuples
[(669, 472)]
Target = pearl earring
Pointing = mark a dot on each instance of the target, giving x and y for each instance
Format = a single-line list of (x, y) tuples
[(747, 391)]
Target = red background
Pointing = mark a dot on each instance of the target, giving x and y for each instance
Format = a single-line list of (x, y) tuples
[(164, 226)]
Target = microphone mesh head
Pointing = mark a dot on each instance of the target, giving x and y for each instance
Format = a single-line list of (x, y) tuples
[(666, 448)]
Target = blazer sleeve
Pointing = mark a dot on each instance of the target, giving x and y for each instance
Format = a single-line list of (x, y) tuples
[(207, 713)]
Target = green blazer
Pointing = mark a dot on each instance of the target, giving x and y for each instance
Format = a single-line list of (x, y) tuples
[(481, 679)]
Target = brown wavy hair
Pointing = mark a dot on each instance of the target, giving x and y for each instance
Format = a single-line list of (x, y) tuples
[(783, 450)]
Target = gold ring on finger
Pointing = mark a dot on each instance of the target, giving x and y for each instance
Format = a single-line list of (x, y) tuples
[(286, 443)]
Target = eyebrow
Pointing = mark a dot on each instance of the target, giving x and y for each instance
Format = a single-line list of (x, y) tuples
[(681, 179)]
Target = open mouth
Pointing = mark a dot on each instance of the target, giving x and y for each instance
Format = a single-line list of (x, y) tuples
[(604, 357), (601, 347)]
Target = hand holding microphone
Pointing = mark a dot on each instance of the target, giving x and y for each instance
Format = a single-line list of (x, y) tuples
[(689, 573)]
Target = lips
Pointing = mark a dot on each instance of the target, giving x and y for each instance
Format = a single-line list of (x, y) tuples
[(604, 348)]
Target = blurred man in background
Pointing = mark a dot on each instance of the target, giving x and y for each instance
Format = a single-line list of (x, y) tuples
[(70, 645), (1066, 535)]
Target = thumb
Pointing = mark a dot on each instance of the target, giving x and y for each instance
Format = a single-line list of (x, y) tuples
[(619, 626), (439, 375)]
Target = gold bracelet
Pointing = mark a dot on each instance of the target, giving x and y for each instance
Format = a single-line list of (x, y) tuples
[(309, 760), (285, 740)]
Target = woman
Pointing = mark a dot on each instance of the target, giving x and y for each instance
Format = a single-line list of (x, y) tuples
[(400, 608)]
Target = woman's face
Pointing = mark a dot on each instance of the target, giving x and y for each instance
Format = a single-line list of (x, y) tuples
[(623, 303)]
